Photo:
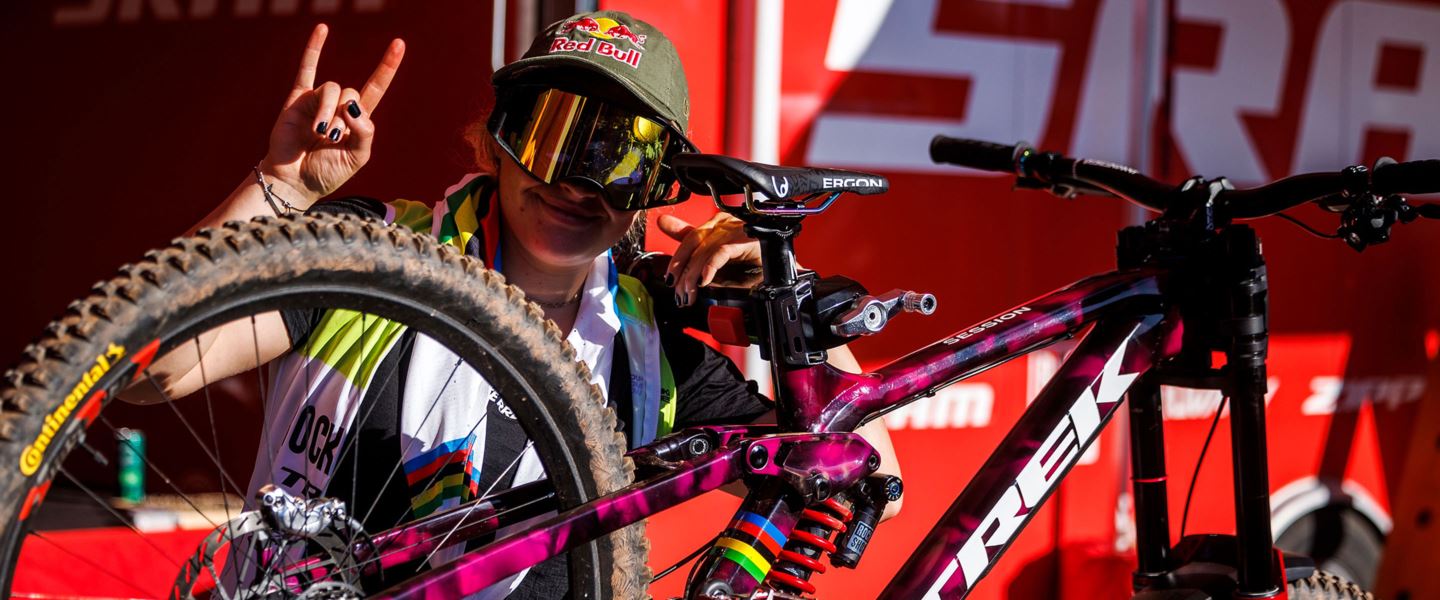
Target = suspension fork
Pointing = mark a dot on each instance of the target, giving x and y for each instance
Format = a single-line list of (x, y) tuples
[(1147, 467), (1243, 324), (1147, 449)]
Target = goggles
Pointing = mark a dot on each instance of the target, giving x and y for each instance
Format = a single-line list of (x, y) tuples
[(558, 136)]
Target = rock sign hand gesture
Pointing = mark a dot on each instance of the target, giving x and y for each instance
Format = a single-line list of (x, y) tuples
[(323, 134)]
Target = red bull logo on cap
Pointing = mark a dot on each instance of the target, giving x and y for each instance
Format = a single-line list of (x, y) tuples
[(618, 31), (583, 24), (600, 33)]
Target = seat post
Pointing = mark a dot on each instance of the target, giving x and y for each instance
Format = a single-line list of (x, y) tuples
[(777, 250)]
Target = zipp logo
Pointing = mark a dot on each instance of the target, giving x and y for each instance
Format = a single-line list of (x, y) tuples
[(851, 182), (1070, 437)]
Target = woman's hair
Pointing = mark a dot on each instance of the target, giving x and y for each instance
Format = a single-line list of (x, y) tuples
[(487, 157)]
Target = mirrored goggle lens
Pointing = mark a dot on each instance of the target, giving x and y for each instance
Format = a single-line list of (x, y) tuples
[(557, 135)]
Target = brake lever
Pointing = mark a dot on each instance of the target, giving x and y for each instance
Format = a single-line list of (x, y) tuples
[(1067, 190), (1335, 203)]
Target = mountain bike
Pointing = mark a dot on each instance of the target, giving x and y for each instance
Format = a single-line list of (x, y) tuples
[(1187, 306)]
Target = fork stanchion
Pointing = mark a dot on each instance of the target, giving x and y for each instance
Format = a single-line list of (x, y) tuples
[(1147, 466), (1246, 331)]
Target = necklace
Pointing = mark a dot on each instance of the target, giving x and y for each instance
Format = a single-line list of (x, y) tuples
[(560, 304)]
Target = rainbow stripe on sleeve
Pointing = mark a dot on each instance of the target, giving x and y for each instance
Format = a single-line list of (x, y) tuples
[(447, 472)]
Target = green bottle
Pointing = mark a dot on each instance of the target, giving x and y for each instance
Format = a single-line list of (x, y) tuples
[(131, 444)]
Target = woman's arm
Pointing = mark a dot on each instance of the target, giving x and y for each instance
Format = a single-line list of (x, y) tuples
[(320, 140), (229, 349)]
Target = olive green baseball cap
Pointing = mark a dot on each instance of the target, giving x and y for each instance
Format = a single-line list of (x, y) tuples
[(614, 46)]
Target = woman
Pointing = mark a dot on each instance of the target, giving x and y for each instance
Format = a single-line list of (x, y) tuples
[(571, 156)]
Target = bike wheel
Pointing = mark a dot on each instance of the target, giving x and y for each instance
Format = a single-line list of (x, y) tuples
[(1318, 586), (59, 392), (1325, 586)]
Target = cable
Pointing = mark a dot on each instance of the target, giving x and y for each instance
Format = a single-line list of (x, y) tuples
[(1185, 516), (1311, 230), (690, 557)]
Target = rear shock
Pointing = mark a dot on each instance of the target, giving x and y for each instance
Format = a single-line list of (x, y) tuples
[(808, 543)]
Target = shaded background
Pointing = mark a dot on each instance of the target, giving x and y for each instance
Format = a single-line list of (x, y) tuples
[(128, 120)]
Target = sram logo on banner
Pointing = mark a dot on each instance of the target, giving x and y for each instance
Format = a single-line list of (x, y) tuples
[(99, 12), (1252, 97)]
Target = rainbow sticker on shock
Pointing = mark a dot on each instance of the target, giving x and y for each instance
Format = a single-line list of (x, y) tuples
[(752, 542)]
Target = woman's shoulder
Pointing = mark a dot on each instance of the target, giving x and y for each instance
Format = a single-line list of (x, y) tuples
[(415, 215), (360, 206)]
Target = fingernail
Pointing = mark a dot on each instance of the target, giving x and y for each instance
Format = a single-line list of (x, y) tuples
[(353, 109), (669, 280), (677, 299), (320, 129), (335, 134)]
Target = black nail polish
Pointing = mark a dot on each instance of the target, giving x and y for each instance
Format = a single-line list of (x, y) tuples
[(353, 109), (335, 134), (669, 280), (320, 129), (677, 299)]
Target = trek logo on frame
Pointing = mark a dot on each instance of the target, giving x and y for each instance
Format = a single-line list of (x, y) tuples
[(1065, 443)]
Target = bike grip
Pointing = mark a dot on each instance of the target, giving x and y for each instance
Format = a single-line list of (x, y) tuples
[(1414, 177), (975, 154)]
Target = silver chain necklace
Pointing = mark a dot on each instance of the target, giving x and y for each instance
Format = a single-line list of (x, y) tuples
[(560, 304)]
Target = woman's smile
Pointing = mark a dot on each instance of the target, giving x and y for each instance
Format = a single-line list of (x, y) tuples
[(569, 210)]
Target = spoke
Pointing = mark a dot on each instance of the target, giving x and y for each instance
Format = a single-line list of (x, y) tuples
[(269, 450), (379, 556), (436, 475), (355, 436), (163, 477), (214, 432), (210, 563), (215, 438), (93, 565), (170, 402), (117, 515), (352, 440), (96, 455), (279, 557), (516, 461), (411, 443)]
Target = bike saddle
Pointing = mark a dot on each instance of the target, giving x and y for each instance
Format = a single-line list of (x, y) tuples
[(725, 175)]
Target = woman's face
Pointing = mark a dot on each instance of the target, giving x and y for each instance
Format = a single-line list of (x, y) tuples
[(559, 225)]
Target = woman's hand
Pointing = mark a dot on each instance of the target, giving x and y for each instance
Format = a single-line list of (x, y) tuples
[(323, 134), (703, 250)]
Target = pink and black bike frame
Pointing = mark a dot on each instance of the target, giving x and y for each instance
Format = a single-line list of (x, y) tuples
[(1129, 332)]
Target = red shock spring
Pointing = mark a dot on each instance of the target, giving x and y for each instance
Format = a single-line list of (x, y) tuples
[(812, 533)]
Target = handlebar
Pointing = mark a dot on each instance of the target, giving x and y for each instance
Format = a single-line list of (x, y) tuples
[(1054, 170), (986, 156), (1414, 177)]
